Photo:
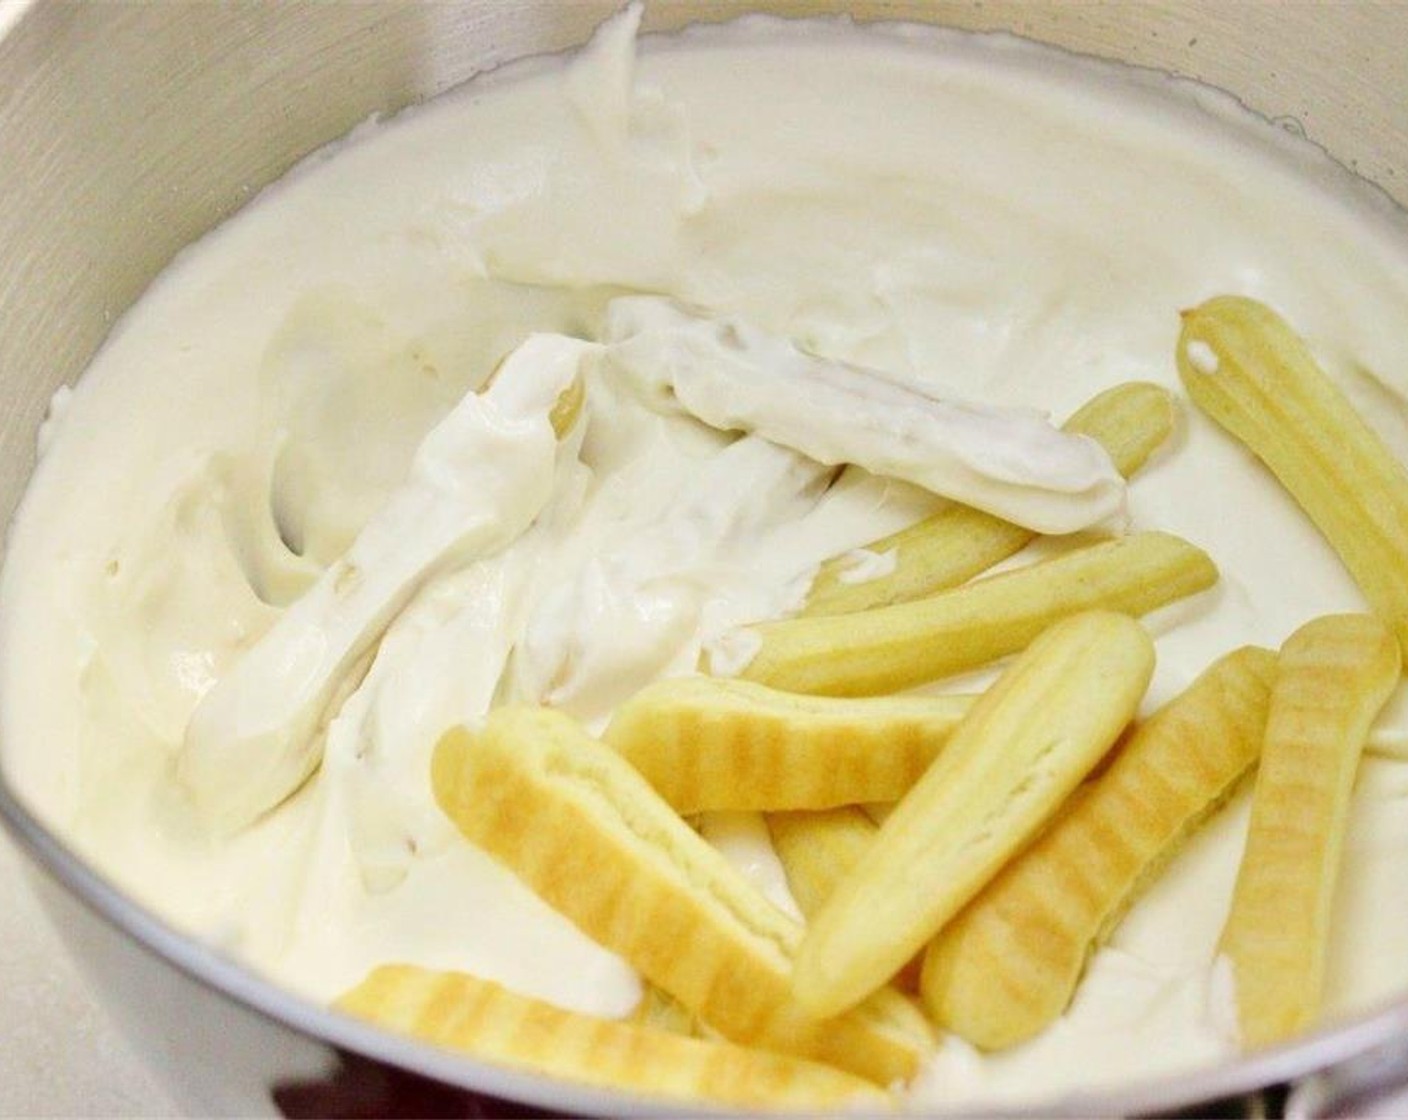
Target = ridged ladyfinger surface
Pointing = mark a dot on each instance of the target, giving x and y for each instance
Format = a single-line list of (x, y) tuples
[(483, 1019), (589, 835), (890, 648), (707, 743), (1335, 675), (1130, 421), (1024, 745), (1006, 967), (1246, 368)]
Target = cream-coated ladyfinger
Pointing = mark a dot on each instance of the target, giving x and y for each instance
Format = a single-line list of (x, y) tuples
[(1130, 421)]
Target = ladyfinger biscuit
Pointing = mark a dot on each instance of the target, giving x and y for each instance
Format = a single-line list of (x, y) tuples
[(1246, 368), (891, 648), (1130, 421), (710, 743), (1008, 964), (589, 835), (818, 849), (1335, 674), (479, 1017), (1022, 748)]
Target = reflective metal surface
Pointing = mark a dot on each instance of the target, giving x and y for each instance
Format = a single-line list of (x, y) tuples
[(128, 130)]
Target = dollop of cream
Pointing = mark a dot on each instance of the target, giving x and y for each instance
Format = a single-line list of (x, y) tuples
[(476, 482), (733, 376), (863, 565)]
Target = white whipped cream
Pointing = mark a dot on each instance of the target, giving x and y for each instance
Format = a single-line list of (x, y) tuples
[(733, 376), (1008, 222), (864, 564), (476, 482)]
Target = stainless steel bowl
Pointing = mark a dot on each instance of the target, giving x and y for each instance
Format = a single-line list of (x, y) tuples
[(128, 130)]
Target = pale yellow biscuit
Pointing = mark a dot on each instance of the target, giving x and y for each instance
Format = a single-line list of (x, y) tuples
[(589, 835), (1024, 745), (890, 648), (818, 849), (1130, 421), (1335, 675), (483, 1019), (706, 743), (1246, 368), (1007, 965)]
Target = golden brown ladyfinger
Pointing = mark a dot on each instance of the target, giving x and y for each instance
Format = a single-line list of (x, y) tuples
[(479, 1017), (891, 648), (1007, 965), (1335, 674), (589, 835), (1246, 368), (1024, 745), (708, 743)]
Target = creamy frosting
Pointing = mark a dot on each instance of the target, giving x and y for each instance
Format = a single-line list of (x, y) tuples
[(865, 564), (733, 376), (1014, 225), (477, 481)]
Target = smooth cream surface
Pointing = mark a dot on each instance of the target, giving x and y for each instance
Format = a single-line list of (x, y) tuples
[(979, 214)]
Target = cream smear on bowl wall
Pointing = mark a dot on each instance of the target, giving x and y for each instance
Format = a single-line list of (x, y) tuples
[(1002, 223)]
